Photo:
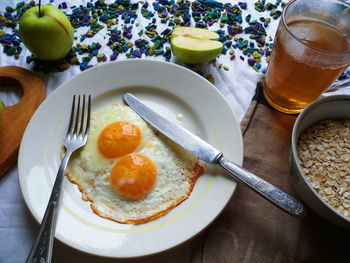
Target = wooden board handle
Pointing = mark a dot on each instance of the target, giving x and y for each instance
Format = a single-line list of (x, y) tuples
[(15, 118)]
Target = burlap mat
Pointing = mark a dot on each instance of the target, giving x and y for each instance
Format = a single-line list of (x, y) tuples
[(250, 229)]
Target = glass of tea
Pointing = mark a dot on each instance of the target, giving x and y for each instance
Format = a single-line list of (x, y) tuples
[(311, 49)]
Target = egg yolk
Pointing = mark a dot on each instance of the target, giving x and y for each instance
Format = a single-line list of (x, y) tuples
[(133, 176), (118, 139)]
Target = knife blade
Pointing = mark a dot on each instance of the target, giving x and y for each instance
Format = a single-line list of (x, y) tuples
[(210, 154)]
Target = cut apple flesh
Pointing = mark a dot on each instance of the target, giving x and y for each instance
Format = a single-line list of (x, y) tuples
[(196, 44), (197, 33)]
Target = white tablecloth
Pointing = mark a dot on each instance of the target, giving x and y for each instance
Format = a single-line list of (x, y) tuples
[(17, 226)]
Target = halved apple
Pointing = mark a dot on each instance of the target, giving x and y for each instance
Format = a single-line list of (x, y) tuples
[(195, 45)]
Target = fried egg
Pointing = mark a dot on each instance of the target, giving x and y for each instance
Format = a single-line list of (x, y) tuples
[(129, 172)]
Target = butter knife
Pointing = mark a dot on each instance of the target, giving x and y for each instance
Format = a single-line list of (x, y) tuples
[(209, 154)]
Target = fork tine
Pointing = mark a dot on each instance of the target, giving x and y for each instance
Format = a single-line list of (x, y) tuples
[(70, 126), (77, 117), (88, 117), (82, 117)]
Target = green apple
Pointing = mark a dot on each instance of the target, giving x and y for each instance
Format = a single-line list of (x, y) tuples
[(47, 32), (195, 45)]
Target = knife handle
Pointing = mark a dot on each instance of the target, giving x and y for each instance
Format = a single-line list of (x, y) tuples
[(272, 193)]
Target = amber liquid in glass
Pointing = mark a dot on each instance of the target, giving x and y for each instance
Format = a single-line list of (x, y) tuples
[(292, 82)]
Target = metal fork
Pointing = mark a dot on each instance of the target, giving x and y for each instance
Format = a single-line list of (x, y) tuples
[(76, 137)]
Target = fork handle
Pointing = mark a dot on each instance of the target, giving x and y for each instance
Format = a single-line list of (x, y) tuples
[(41, 251)]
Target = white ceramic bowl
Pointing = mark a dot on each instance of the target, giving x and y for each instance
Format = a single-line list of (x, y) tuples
[(332, 107)]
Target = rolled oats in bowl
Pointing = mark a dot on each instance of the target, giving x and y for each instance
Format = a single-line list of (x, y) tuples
[(324, 153)]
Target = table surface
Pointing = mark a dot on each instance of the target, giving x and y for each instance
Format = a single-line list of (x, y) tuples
[(17, 226)]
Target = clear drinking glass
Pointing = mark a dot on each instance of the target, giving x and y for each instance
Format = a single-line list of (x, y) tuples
[(311, 49)]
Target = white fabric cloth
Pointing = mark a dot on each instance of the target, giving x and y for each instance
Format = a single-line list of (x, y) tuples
[(17, 226)]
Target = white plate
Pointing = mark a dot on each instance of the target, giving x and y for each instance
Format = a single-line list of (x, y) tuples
[(173, 90)]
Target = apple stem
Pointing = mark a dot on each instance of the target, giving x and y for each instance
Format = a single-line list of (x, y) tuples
[(39, 8)]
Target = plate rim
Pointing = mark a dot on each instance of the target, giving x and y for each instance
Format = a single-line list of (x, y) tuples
[(61, 88)]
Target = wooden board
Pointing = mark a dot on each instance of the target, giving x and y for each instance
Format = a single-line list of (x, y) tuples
[(15, 118)]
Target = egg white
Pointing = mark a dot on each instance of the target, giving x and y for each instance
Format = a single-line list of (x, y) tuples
[(177, 171)]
